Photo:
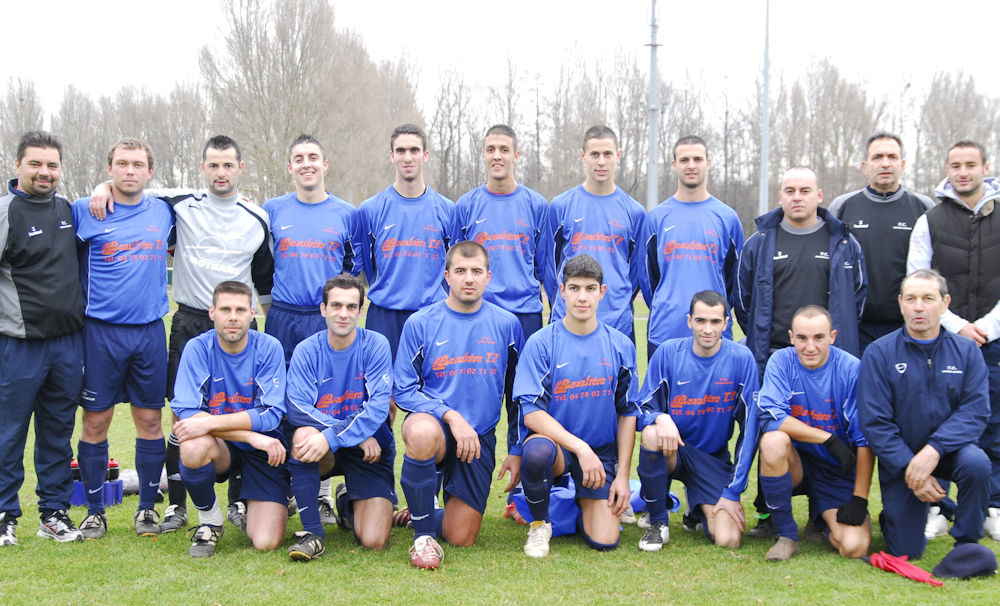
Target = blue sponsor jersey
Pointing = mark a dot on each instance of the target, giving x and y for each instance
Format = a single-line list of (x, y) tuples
[(344, 393), (825, 397), (706, 398), (449, 360), (403, 245), (252, 381), (609, 229), (312, 243), (688, 247), (512, 229), (585, 382), (123, 260)]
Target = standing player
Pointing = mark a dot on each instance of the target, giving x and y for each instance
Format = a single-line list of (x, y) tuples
[(339, 385), (956, 238), (508, 219), (810, 432), (41, 369), (220, 236), (923, 403), (881, 216), (312, 233), (403, 231), (695, 389), (456, 362), (230, 400), (692, 243), (123, 268), (576, 386), (601, 220)]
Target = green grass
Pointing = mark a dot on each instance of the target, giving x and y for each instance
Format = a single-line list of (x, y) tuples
[(125, 569)]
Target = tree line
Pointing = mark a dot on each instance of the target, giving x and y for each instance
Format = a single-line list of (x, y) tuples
[(286, 68)]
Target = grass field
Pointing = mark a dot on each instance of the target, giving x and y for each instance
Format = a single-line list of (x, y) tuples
[(125, 569)]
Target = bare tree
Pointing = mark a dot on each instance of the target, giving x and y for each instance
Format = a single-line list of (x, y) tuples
[(81, 127), (20, 111)]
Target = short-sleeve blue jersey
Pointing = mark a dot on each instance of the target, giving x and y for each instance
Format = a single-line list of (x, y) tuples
[(706, 398), (312, 243), (346, 393), (403, 245), (609, 229), (448, 360), (512, 229), (825, 397), (688, 247), (252, 381), (585, 382), (123, 265)]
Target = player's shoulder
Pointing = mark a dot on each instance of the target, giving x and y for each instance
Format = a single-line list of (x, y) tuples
[(278, 201), (251, 207), (926, 201), (264, 342), (372, 340), (567, 197), (843, 360), (438, 197), (378, 200), (836, 207), (738, 350)]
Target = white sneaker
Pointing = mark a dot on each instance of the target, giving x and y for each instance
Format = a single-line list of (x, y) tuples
[(643, 521), (655, 538), (937, 524), (539, 534), (628, 516), (992, 524)]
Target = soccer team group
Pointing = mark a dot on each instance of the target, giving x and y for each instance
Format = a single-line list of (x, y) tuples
[(871, 330)]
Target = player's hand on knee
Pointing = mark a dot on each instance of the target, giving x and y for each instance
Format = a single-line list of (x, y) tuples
[(930, 491), (853, 512), (843, 453), (921, 466), (273, 447), (192, 427), (371, 449), (619, 496), (668, 439), (592, 467), (512, 464), (467, 444), (311, 449), (733, 509)]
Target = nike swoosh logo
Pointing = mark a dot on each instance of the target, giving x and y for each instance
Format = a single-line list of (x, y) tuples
[(301, 509), (683, 382), (219, 379), (286, 226), (419, 517), (108, 230), (561, 365), (154, 485), (391, 225), (798, 393), (481, 220), (578, 220), (439, 343), (666, 229), (325, 380), (95, 491)]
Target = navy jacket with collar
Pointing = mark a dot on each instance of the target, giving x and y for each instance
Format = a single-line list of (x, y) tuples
[(908, 398), (753, 298)]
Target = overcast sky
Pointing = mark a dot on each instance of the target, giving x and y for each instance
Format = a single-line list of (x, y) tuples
[(100, 46)]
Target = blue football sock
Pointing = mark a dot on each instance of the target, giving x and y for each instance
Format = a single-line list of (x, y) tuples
[(200, 484), (439, 523), (419, 480), (778, 494), (652, 470), (149, 457), (93, 460), (305, 487), (537, 458)]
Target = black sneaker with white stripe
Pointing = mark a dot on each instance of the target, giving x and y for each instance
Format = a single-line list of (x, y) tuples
[(8, 529)]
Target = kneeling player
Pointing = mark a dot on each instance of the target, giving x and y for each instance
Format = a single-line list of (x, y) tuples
[(695, 388), (230, 397), (339, 385), (808, 416), (576, 386), (455, 359)]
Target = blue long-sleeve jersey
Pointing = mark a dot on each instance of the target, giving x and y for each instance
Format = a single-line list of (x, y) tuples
[(449, 360), (403, 246), (911, 395), (252, 381), (688, 247), (825, 397), (346, 393), (123, 260), (312, 243), (706, 398), (585, 382), (512, 228), (609, 229)]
